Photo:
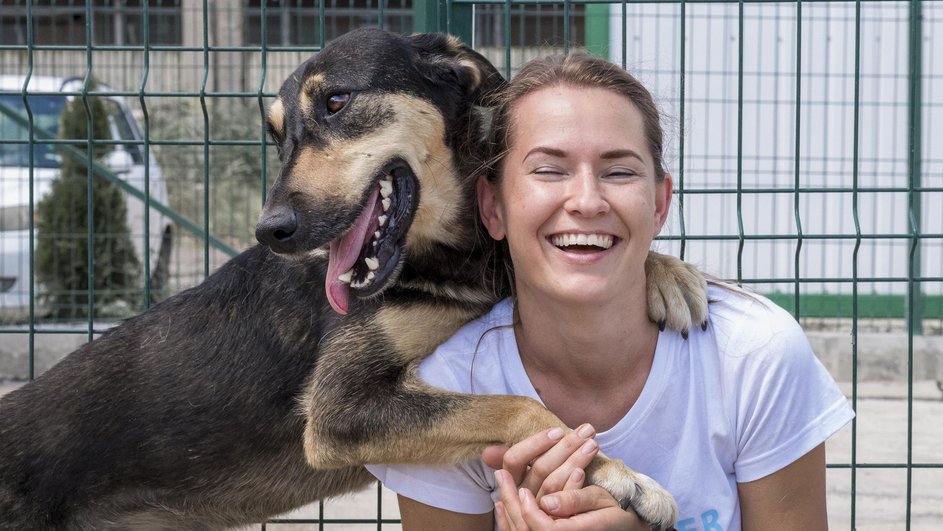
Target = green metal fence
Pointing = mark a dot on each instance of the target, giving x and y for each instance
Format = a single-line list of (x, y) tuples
[(804, 138)]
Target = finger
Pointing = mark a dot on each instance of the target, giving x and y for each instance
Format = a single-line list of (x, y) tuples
[(500, 517), (576, 479), (532, 516), (517, 458), (493, 456), (558, 478), (576, 501), (510, 501), (550, 471)]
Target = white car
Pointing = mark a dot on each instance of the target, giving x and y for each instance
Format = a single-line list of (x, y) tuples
[(46, 102)]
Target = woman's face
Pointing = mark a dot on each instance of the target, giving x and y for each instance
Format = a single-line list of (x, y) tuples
[(577, 201)]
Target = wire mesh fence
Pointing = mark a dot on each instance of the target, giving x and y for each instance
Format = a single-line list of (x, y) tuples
[(803, 137)]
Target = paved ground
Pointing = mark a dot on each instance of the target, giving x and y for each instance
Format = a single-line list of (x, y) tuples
[(880, 493)]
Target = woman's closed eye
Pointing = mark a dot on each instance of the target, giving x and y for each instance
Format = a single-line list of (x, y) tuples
[(620, 174), (549, 171)]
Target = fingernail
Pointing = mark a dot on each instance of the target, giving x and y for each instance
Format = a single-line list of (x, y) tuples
[(588, 447), (585, 431), (555, 434), (577, 475), (551, 503), (521, 495), (498, 477)]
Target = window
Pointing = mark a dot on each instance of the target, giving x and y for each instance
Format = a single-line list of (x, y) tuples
[(114, 22), (296, 22), (530, 25), (13, 151)]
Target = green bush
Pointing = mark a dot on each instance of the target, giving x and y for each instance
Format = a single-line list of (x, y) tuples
[(62, 247)]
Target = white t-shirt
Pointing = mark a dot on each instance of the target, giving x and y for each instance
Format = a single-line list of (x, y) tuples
[(730, 404)]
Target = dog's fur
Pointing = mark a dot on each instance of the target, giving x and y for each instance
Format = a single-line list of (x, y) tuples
[(247, 395)]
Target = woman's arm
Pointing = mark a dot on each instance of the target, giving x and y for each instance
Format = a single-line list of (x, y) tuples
[(791, 499), (418, 516)]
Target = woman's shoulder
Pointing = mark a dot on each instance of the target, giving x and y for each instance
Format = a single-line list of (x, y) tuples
[(451, 363), (471, 332), (745, 323)]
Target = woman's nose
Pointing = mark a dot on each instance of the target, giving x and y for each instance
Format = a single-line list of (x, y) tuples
[(585, 196)]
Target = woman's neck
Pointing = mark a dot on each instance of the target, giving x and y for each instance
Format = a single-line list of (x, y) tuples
[(587, 364), (585, 345)]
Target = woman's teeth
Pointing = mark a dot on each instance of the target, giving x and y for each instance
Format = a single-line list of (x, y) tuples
[(603, 241)]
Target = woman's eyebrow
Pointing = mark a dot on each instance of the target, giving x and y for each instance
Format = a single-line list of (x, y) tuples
[(621, 154), (553, 152)]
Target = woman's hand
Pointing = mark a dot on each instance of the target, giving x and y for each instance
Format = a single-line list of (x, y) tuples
[(540, 481)]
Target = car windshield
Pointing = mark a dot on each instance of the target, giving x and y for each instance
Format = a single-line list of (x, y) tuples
[(14, 151), (14, 135)]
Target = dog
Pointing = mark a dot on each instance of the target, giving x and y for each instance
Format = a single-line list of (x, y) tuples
[(270, 384)]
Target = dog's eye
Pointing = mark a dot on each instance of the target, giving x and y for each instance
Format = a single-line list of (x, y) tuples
[(337, 102)]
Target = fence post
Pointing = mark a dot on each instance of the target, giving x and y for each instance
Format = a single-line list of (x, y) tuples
[(445, 16), (914, 108), (596, 24), (425, 15)]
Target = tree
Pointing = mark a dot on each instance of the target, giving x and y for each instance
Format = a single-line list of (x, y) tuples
[(62, 247)]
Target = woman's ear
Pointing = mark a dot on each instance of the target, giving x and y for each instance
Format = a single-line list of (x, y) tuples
[(663, 192), (489, 208)]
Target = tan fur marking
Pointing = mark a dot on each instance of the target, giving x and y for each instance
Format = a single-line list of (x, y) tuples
[(304, 97), (454, 43), (475, 72), (416, 330), (486, 420), (276, 116), (417, 134)]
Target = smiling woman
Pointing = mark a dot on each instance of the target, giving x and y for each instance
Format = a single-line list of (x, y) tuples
[(730, 419)]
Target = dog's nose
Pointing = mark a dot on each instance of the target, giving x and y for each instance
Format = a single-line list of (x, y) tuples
[(276, 228)]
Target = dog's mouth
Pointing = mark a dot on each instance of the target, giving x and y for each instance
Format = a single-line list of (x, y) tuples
[(365, 258)]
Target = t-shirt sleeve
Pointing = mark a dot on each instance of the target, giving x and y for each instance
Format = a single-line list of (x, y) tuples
[(787, 403), (464, 488)]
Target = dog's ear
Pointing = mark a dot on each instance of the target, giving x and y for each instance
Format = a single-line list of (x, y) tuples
[(446, 59)]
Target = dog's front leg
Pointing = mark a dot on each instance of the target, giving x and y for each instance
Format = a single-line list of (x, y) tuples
[(376, 410)]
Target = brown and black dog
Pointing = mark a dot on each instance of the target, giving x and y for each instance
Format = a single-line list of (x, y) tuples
[(269, 385)]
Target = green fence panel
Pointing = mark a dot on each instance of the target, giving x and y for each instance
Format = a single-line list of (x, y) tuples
[(803, 138)]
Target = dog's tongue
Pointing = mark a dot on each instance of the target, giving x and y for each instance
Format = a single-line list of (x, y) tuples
[(343, 254)]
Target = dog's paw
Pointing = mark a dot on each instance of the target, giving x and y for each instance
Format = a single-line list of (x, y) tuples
[(648, 499), (677, 293)]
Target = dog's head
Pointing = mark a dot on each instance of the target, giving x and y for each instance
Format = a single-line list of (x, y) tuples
[(368, 132)]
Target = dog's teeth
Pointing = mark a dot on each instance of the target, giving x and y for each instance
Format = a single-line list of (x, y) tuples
[(386, 188), (382, 220), (386, 204), (376, 235), (345, 277), (372, 263), (370, 276)]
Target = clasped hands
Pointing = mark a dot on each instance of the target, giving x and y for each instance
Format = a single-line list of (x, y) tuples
[(540, 481)]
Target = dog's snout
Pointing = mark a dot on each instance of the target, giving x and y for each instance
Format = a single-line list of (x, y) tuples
[(276, 229)]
